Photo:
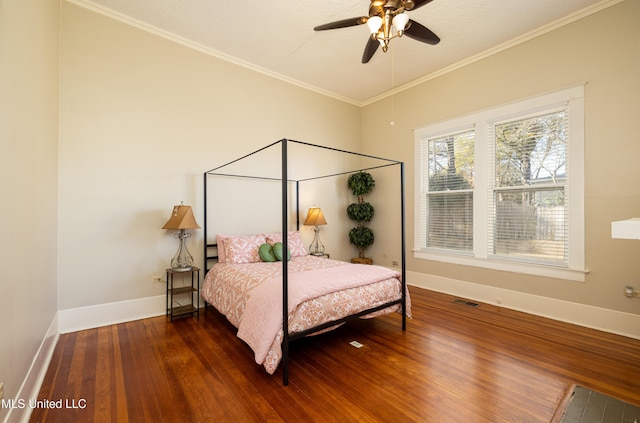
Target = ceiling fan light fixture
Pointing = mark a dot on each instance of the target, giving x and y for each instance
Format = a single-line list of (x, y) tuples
[(387, 20), (400, 22), (384, 43), (374, 23)]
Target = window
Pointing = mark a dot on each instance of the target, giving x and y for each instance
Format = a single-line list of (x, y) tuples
[(449, 198), (503, 188)]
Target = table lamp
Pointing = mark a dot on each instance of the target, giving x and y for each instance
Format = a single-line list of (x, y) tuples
[(182, 218), (315, 218)]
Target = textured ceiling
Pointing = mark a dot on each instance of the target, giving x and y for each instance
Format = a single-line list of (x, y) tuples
[(277, 36)]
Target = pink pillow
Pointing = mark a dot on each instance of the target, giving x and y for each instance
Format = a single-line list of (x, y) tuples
[(243, 249), (296, 246), (222, 258)]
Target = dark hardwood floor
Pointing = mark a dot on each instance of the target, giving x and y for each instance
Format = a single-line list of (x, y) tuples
[(454, 363)]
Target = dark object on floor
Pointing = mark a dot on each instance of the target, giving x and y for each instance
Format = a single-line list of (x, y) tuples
[(587, 406)]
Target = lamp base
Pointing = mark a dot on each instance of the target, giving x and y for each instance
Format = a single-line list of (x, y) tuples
[(317, 247), (183, 260)]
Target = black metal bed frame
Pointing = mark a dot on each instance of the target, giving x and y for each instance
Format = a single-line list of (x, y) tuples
[(285, 228)]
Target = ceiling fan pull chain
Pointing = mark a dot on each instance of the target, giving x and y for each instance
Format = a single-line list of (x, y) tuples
[(393, 94)]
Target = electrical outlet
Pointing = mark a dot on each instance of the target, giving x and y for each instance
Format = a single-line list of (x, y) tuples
[(629, 292), (157, 279)]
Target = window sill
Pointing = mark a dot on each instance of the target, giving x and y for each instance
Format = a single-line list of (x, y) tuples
[(577, 275)]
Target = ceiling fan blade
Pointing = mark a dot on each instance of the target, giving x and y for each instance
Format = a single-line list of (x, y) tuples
[(419, 3), (344, 23), (370, 49), (421, 33)]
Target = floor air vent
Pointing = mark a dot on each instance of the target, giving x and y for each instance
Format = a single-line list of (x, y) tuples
[(465, 302)]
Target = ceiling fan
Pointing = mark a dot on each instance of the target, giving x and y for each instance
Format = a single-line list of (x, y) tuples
[(387, 20)]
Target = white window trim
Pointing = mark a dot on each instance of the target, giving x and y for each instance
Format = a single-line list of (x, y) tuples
[(576, 270)]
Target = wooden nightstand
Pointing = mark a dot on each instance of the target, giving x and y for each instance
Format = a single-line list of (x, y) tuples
[(185, 292)]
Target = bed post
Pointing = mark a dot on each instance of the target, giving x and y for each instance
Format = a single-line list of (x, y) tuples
[(297, 205), (404, 251), (285, 270), (204, 256)]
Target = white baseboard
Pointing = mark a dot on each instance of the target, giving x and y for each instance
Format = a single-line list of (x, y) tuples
[(37, 371), (626, 324), (75, 319), (612, 321)]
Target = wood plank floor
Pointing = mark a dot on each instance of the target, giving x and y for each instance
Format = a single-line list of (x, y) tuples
[(454, 363)]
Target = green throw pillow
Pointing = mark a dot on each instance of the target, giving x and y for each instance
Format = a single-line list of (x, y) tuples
[(266, 253), (277, 250)]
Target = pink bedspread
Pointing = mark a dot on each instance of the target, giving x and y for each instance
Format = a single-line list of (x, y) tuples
[(320, 290)]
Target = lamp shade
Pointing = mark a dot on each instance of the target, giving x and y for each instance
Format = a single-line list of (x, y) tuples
[(400, 21), (315, 217), (181, 218), (374, 23)]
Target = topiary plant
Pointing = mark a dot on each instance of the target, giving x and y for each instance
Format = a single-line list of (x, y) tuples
[(360, 212), (362, 237), (360, 184)]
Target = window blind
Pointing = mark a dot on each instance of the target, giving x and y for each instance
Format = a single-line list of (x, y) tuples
[(448, 191), (528, 205)]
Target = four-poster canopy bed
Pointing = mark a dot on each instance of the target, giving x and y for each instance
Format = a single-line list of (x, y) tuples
[(316, 294)]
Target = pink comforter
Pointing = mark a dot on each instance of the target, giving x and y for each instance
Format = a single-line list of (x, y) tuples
[(320, 290)]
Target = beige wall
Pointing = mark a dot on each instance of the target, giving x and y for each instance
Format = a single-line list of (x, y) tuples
[(603, 51), (28, 169), (141, 118)]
